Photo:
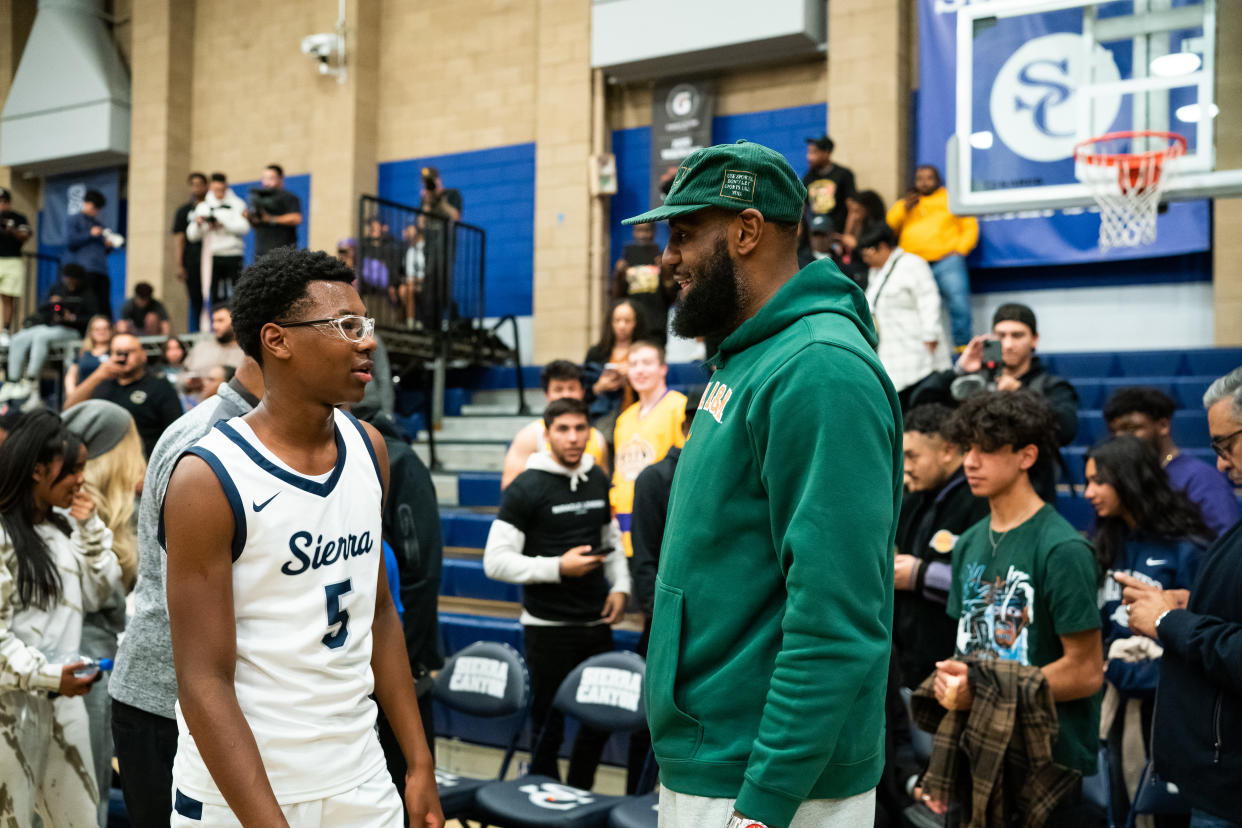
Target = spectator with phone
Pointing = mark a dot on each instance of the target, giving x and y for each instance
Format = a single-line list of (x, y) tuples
[(556, 536), (1005, 360), (63, 318), (606, 369), (220, 223), (88, 242), (441, 208), (56, 563), (123, 379)]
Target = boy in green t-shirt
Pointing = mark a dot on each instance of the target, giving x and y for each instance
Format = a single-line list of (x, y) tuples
[(1024, 581)]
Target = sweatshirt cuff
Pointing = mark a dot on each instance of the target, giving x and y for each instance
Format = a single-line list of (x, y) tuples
[(765, 805), (47, 678), (1174, 630), (548, 570)]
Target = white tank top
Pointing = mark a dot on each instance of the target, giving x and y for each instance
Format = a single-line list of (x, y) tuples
[(306, 554)]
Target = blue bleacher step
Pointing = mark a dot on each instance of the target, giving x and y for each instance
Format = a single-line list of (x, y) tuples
[(463, 577), (1075, 460), (1187, 392), (464, 456), (1189, 428), (464, 527)]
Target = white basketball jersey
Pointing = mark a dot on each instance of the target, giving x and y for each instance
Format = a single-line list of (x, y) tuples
[(306, 556)]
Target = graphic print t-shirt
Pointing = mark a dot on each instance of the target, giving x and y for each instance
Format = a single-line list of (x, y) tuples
[(1016, 601)]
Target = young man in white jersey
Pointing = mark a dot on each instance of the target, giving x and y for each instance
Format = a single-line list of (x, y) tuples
[(282, 623)]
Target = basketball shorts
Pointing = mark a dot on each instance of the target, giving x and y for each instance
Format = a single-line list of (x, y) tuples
[(373, 804)]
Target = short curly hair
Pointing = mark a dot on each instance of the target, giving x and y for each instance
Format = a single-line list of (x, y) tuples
[(996, 419), (1149, 401), (275, 288)]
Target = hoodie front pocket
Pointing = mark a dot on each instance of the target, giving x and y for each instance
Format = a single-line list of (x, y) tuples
[(675, 734)]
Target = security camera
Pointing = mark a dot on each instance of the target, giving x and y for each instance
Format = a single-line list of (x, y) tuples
[(320, 46)]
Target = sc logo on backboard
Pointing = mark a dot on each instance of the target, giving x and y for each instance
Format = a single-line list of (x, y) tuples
[(1033, 103)]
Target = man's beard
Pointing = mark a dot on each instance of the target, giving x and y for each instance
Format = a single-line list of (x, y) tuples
[(226, 337), (710, 305)]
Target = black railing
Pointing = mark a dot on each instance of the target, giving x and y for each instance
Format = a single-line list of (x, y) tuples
[(419, 270)]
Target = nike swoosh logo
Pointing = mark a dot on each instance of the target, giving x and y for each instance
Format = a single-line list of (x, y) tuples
[(1155, 562), (259, 507)]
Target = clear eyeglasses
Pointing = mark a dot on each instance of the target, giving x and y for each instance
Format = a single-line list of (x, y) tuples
[(351, 328)]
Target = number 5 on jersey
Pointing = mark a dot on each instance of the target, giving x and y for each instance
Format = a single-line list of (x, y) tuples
[(336, 615)]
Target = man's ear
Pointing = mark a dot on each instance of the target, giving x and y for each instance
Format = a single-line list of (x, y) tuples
[(1027, 456), (746, 230), (275, 341)]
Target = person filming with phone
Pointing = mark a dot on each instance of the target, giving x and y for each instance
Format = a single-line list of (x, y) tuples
[(1005, 360), (556, 536)]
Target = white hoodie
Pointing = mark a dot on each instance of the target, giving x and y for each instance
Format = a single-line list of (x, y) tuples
[(224, 239), (503, 559)]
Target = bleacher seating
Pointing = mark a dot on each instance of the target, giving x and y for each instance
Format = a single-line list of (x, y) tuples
[(476, 608)]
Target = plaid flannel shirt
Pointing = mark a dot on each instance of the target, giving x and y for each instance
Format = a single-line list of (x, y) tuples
[(1005, 738)]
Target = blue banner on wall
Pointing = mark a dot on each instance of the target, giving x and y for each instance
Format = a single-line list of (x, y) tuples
[(1050, 236)]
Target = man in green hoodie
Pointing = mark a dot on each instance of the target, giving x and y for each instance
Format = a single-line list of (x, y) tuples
[(770, 640)]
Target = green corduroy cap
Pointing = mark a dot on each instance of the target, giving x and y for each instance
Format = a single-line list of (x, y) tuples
[(732, 177)]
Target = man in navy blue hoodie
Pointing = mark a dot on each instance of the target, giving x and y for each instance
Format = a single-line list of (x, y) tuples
[(1198, 719), (87, 240)]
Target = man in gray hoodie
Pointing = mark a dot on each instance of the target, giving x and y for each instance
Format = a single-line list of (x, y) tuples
[(144, 684)]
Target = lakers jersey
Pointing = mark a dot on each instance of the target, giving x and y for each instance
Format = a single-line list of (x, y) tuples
[(641, 441), (306, 557), (595, 444)]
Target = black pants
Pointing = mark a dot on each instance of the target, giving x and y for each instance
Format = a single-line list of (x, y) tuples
[(101, 286), (551, 654), (145, 746), (224, 273), (194, 291), (640, 740)]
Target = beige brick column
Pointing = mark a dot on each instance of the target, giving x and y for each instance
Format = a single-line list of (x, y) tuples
[(16, 18), (562, 200), (869, 64), (159, 159), (344, 131), (1227, 253)]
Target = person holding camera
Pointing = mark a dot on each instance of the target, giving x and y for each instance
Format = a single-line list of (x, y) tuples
[(556, 536), (14, 232), (89, 242), (220, 224), (122, 378), (62, 318), (441, 208), (275, 213)]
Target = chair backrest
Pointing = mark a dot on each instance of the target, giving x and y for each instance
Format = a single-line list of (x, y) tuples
[(487, 679), (605, 692)]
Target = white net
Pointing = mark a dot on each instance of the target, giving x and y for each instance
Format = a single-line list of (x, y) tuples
[(1127, 186)]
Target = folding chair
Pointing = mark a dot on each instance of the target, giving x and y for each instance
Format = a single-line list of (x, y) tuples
[(603, 692), (489, 680)]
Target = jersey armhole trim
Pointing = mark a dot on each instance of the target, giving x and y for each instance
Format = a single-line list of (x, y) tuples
[(230, 493), (366, 441)]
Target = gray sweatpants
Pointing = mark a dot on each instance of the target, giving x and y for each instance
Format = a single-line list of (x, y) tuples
[(36, 342)]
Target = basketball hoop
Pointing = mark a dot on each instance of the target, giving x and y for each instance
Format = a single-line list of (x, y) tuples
[(1127, 185)]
